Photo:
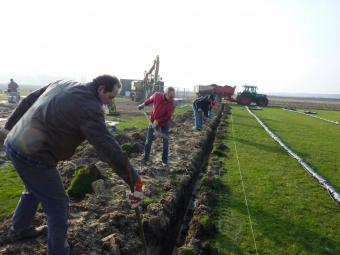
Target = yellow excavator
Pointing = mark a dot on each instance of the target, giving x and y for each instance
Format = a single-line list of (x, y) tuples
[(152, 82)]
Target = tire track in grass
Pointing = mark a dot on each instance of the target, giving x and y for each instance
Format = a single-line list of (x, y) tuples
[(322, 181)]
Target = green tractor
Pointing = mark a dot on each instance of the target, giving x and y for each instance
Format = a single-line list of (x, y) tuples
[(249, 95)]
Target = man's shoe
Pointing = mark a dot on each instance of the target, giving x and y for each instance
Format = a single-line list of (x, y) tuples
[(28, 233)]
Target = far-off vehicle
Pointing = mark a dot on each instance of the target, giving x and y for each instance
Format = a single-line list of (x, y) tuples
[(13, 97), (220, 92), (249, 95), (152, 82)]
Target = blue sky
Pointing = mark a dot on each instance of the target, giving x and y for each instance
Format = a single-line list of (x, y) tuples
[(280, 46)]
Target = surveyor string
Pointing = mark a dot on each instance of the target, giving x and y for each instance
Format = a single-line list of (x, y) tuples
[(244, 190)]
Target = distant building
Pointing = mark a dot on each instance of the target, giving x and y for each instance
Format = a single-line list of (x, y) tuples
[(126, 86)]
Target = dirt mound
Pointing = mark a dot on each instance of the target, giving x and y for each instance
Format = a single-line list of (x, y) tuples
[(86, 154)]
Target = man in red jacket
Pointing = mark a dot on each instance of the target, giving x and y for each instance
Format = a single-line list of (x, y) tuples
[(163, 107)]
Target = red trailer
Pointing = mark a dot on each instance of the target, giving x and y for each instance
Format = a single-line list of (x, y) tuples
[(221, 92)]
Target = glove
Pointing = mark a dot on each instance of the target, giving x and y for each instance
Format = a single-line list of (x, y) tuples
[(154, 124), (3, 134), (137, 196), (140, 107)]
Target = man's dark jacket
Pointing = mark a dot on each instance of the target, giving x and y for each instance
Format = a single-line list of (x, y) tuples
[(51, 122), (203, 103)]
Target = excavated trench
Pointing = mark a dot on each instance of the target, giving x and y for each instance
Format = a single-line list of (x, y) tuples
[(104, 223), (176, 234)]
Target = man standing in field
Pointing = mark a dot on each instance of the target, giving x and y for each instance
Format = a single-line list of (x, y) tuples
[(46, 127), (12, 86), (163, 107), (13, 94)]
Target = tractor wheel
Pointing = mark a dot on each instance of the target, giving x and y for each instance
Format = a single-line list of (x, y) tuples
[(244, 99), (262, 101)]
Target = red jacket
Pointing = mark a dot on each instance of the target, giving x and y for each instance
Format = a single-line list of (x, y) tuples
[(162, 109)]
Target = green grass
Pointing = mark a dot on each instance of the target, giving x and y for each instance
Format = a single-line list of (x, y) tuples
[(3, 97), (10, 190), (328, 114), (147, 201), (316, 141), (333, 115), (81, 183), (182, 109), (290, 212)]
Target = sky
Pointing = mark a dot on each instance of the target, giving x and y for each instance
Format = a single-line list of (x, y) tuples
[(280, 46)]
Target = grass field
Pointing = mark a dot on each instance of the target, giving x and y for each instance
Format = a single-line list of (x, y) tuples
[(130, 122), (327, 114), (10, 189), (316, 141), (290, 212)]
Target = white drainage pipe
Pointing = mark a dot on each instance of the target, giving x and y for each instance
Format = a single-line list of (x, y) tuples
[(322, 181), (317, 117)]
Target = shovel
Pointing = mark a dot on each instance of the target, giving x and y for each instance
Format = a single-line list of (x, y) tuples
[(140, 224), (158, 133)]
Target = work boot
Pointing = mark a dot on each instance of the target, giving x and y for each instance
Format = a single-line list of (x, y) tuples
[(28, 233)]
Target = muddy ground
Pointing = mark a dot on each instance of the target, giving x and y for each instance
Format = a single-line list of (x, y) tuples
[(103, 222), (126, 107)]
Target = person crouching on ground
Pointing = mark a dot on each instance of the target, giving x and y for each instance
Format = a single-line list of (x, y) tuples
[(201, 105), (162, 110)]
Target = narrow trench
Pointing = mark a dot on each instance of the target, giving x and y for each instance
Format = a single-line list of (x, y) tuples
[(179, 223)]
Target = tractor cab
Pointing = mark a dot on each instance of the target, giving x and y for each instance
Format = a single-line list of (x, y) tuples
[(250, 89), (249, 95)]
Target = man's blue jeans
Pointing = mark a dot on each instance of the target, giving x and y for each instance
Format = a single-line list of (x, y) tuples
[(198, 118), (149, 137), (42, 185)]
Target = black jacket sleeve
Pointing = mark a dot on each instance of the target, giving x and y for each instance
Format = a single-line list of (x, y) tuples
[(23, 107), (206, 108), (94, 129)]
